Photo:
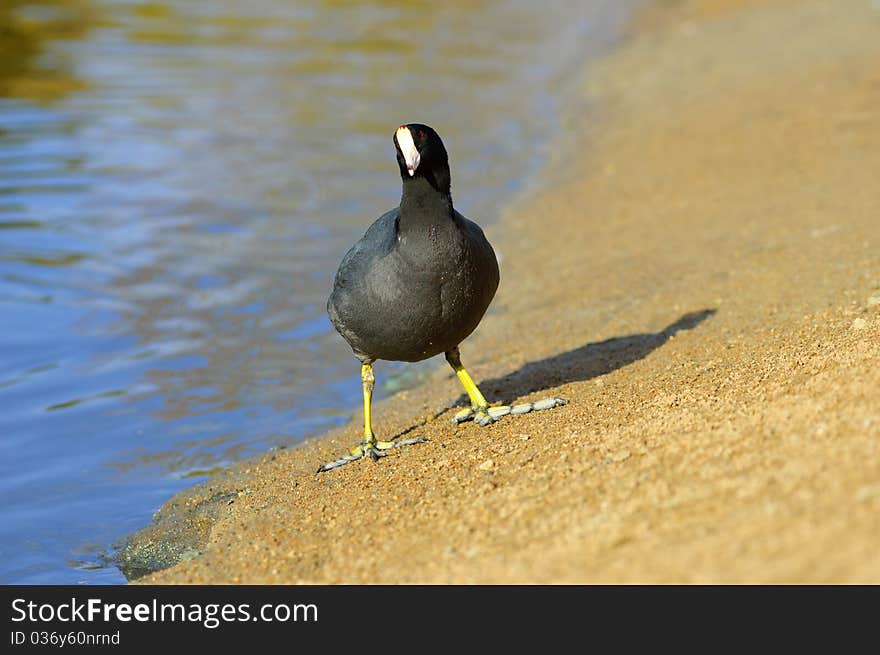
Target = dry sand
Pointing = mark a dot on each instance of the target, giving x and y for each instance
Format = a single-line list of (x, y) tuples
[(699, 274)]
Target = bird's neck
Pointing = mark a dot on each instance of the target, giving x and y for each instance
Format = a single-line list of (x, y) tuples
[(423, 205)]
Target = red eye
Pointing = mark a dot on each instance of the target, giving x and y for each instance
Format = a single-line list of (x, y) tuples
[(421, 135)]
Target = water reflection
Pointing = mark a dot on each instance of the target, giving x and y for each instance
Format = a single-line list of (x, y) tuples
[(178, 180), (28, 69)]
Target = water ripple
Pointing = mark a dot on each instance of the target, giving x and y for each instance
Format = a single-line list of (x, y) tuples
[(178, 180)]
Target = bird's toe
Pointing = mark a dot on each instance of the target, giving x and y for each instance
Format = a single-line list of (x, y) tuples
[(463, 415), (374, 450), (487, 416)]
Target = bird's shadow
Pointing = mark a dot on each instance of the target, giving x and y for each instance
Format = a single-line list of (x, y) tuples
[(585, 362)]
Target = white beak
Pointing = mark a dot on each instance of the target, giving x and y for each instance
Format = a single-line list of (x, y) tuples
[(408, 148)]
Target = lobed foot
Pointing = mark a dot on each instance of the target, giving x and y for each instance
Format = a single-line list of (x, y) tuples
[(374, 450), (483, 416)]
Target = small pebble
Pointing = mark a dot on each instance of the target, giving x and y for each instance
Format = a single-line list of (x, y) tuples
[(868, 493), (859, 324), (620, 455), (190, 554), (488, 465), (873, 301)]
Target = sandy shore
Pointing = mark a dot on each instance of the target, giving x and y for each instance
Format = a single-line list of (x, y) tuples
[(699, 274)]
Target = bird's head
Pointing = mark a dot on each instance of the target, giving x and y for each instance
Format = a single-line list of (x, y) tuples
[(420, 153)]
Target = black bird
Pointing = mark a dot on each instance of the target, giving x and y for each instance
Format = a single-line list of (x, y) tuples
[(417, 284)]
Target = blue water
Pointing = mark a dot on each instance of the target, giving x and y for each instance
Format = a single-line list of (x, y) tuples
[(178, 181)]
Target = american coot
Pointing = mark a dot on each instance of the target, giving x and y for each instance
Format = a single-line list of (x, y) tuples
[(417, 284)]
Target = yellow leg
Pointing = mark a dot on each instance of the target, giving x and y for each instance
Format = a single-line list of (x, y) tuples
[(370, 446), (478, 400), (368, 381), (479, 411)]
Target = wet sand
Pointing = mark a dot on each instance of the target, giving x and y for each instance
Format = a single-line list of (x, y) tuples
[(698, 273)]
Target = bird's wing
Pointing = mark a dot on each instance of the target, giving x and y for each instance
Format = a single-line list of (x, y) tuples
[(377, 242)]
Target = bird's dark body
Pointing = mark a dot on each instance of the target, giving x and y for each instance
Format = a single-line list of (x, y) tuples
[(416, 285)]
